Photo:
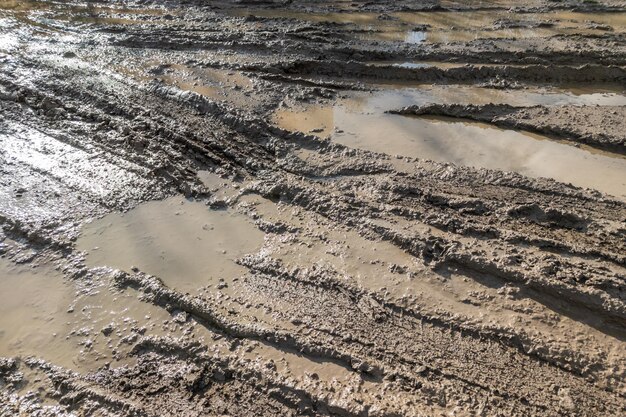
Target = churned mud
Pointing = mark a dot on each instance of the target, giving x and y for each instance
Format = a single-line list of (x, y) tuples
[(362, 122), (600, 128), (295, 208)]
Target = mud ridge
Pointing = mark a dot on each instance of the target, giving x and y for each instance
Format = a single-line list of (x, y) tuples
[(163, 296), (567, 122), (469, 74), (442, 251), (517, 340)]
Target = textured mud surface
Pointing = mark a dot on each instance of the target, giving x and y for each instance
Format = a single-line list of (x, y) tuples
[(602, 128), (208, 208)]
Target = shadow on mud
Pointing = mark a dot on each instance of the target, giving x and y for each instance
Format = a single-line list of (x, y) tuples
[(610, 327)]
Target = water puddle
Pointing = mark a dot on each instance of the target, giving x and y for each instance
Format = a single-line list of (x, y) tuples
[(215, 84), (494, 19), (466, 26), (220, 188), (45, 316), (316, 119), (457, 26), (361, 123), (211, 83), (33, 305), (394, 96), (185, 243)]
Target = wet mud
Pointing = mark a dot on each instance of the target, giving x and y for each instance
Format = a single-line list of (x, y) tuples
[(600, 128), (312, 208)]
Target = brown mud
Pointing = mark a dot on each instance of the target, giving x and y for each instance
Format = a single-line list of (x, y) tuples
[(312, 208), (603, 130)]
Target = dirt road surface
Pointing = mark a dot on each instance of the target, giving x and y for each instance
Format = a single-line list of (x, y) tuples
[(303, 208)]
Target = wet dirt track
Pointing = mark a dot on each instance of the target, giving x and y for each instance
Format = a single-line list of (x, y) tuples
[(312, 208)]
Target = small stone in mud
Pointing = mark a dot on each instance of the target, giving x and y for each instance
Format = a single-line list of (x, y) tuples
[(180, 317), (131, 338), (139, 330), (397, 269), (420, 369), (69, 54), (7, 364), (108, 329), (566, 400), (508, 291)]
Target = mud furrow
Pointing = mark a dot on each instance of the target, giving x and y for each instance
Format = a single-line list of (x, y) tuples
[(411, 332), (163, 296), (439, 250), (396, 314)]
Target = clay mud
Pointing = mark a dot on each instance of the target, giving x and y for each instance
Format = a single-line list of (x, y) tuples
[(367, 126), (299, 208), (185, 243)]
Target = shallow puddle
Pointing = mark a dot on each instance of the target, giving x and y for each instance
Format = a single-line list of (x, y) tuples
[(466, 26), (183, 242), (45, 316), (457, 26), (33, 305), (396, 96), (212, 83), (215, 84), (361, 123)]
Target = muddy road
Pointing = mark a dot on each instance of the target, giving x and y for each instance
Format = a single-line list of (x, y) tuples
[(295, 208)]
